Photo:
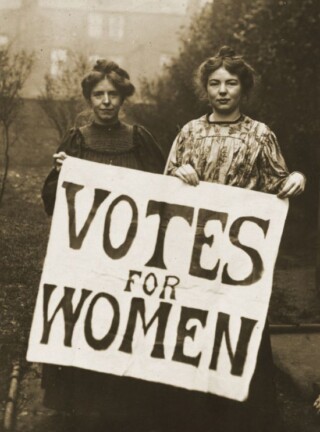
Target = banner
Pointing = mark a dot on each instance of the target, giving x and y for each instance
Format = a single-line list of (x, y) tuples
[(151, 278)]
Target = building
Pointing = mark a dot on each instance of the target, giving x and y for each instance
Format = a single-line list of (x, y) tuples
[(140, 35)]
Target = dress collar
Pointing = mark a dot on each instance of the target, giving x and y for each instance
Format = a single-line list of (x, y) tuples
[(107, 127), (238, 120)]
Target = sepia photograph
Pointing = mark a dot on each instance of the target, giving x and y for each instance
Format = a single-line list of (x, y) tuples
[(159, 216)]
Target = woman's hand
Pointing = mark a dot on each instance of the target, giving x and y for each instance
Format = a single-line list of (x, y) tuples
[(187, 174), (58, 159), (294, 185), (316, 405)]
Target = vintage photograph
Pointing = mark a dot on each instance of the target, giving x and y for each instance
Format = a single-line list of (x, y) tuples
[(159, 216)]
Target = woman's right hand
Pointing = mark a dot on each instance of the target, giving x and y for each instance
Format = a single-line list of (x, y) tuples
[(187, 174), (58, 159), (317, 405)]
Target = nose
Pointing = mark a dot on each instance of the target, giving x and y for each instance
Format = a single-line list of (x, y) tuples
[(222, 88), (106, 99)]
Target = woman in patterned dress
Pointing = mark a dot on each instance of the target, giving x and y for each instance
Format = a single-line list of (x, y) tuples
[(102, 402), (227, 147)]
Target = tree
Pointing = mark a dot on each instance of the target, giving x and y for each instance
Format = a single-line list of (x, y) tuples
[(282, 44), (14, 70), (280, 39), (62, 100), (173, 94)]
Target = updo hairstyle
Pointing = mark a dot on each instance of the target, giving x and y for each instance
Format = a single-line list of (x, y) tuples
[(113, 72), (233, 63)]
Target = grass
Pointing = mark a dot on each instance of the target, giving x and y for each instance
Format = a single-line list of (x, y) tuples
[(23, 235)]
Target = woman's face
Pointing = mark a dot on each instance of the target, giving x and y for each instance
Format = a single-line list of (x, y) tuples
[(105, 101), (224, 91)]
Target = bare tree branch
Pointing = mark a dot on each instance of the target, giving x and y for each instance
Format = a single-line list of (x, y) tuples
[(61, 99), (14, 70)]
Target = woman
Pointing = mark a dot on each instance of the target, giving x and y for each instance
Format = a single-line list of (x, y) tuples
[(227, 147), (120, 404), (106, 139)]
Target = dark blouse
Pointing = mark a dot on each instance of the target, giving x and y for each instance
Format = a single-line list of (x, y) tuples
[(120, 144)]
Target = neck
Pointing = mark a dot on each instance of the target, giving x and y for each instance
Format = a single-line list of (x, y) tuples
[(224, 117), (111, 122)]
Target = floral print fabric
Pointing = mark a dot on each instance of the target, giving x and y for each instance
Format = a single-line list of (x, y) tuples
[(244, 153)]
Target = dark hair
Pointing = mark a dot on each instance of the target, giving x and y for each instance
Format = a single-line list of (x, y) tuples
[(233, 63), (113, 72)]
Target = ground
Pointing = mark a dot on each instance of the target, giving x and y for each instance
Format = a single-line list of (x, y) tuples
[(24, 231), (33, 417)]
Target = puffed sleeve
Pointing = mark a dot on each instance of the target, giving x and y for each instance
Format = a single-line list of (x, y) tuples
[(71, 145), (273, 170), (149, 152), (179, 152)]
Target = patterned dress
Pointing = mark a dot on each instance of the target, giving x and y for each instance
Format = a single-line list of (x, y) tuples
[(244, 153)]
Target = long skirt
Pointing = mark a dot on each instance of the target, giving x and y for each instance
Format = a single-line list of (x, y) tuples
[(109, 403)]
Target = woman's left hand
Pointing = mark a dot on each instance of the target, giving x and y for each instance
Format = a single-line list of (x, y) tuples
[(316, 405), (295, 184)]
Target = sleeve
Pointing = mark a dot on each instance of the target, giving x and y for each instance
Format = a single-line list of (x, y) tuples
[(149, 152), (177, 152), (71, 145), (273, 171)]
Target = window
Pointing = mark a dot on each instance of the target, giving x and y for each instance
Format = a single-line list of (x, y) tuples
[(63, 4), (95, 25), (116, 27), (58, 59), (93, 58), (11, 4), (205, 2), (117, 59), (3, 40), (165, 60)]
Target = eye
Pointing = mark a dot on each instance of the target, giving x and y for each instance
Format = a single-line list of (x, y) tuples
[(213, 83)]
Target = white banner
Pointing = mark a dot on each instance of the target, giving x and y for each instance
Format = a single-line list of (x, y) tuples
[(150, 278)]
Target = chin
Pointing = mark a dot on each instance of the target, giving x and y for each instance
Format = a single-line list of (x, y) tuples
[(107, 119), (225, 111)]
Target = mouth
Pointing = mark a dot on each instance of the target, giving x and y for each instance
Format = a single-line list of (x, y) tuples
[(223, 100), (106, 111)]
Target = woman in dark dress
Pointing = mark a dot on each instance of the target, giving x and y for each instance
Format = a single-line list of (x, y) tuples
[(106, 139), (100, 401), (227, 147)]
